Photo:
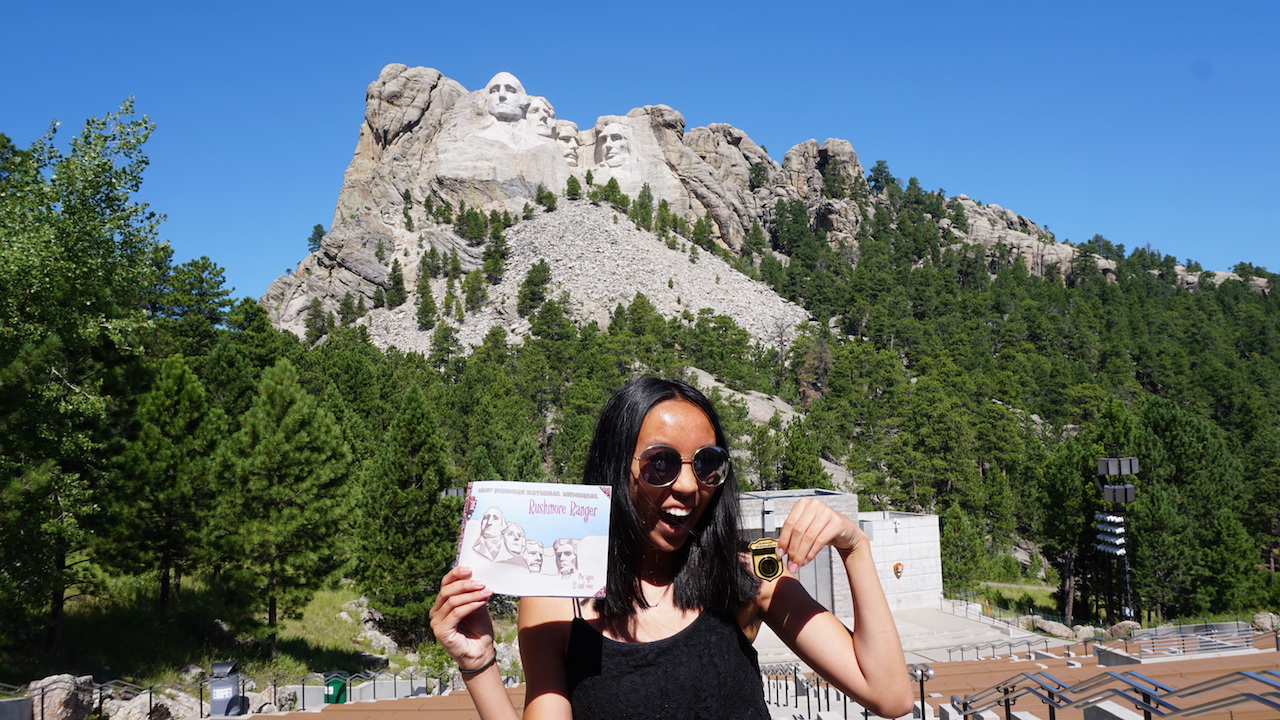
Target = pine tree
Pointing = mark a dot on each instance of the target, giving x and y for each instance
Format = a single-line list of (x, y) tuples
[(401, 506), (317, 236), (396, 293), (454, 268), (317, 322), (473, 291), (642, 208), (427, 311), (533, 289), (545, 198), (495, 259), (347, 309), (573, 188), (160, 494), (432, 266), (284, 469)]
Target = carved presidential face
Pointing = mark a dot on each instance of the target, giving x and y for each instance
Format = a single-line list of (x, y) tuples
[(615, 145), (506, 98), (542, 116), (567, 136)]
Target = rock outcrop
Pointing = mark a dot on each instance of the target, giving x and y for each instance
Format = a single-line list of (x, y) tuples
[(426, 142)]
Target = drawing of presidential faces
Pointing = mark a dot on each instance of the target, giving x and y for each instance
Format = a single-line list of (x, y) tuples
[(513, 538), (566, 552), (533, 555), (491, 523)]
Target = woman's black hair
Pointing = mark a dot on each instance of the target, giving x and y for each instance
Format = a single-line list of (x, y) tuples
[(710, 572)]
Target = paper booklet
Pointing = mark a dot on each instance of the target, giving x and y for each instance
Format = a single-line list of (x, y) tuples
[(545, 539)]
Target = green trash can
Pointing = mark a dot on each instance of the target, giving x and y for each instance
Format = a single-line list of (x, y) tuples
[(335, 690)]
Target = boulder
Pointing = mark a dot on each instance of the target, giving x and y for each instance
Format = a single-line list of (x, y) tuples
[(63, 697), (1054, 628), (1121, 629), (161, 706), (1266, 622)]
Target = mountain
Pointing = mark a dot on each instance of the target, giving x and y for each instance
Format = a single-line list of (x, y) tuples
[(429, 149)]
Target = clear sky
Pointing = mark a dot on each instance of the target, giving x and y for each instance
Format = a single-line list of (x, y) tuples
[(1149, 123)]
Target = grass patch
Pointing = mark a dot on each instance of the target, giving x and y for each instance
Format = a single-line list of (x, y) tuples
[(121, 635), (1023, 600)]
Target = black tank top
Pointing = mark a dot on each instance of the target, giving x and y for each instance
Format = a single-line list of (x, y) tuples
[(707, 671)]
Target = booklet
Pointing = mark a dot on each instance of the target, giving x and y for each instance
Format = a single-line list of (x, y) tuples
[(545, 539)]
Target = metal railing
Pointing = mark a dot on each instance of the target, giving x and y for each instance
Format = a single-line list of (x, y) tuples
[(404, 683), (1008, 645), (787, 685), (1188, 643), (1153, 698)]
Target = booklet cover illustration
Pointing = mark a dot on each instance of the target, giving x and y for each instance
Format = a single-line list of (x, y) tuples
[(546, 539)]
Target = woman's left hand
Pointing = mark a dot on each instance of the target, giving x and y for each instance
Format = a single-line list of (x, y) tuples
[(812, 525)]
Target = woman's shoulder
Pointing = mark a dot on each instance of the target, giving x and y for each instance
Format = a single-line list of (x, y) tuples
[(543, 610)]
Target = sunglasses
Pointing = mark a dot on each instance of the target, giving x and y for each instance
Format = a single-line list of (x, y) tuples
[(660, 465)]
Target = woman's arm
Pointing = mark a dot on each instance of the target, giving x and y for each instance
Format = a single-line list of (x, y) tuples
[(866, 663), (544, 639), (461, 623)]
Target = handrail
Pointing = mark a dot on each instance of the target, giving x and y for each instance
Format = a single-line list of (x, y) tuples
[(992, 645), (128, 690), (1150, 696)]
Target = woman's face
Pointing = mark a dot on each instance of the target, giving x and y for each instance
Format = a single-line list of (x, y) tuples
[(669, 514)]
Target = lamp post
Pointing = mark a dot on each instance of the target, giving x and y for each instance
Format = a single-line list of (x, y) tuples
[(1111, 526)]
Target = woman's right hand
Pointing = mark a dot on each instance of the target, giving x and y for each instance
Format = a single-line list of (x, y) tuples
[(460, 619)]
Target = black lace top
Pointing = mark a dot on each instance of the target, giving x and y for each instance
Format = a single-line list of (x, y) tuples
[(705, 672)]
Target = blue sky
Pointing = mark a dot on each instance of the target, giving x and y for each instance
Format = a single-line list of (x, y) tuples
[(1149, 123)]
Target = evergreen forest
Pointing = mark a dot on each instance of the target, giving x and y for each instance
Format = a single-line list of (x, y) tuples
[(154, 427)]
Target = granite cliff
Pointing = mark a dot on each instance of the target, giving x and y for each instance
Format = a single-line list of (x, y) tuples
[(426, 141)]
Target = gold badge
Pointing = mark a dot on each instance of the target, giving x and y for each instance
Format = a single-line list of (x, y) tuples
[(764, 558)]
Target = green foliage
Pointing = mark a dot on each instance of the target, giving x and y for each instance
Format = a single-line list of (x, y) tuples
[(471, 225), (158, 495), (407, 199), (834, 183), (545, 198), (348, 311), (495, 259), (573, 188), (758, 175), (642, 208), (317, 236), (432, 265), (473, 291), (401, 506), (428, 313), (964, 552), (533, 289), (396, 293), (284, 469)]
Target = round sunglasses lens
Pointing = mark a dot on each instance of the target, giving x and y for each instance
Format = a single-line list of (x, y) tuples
[(660, 466), (709, 465)]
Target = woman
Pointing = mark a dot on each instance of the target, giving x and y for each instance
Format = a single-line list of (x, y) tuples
[(671, 637)]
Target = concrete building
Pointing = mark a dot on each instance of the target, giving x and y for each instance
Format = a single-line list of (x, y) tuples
[(906, 547)]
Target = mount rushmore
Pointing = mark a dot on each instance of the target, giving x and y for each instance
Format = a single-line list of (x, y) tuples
[(426, 140)]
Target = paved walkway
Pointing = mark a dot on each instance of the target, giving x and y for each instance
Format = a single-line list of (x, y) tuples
[(927, 634)]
